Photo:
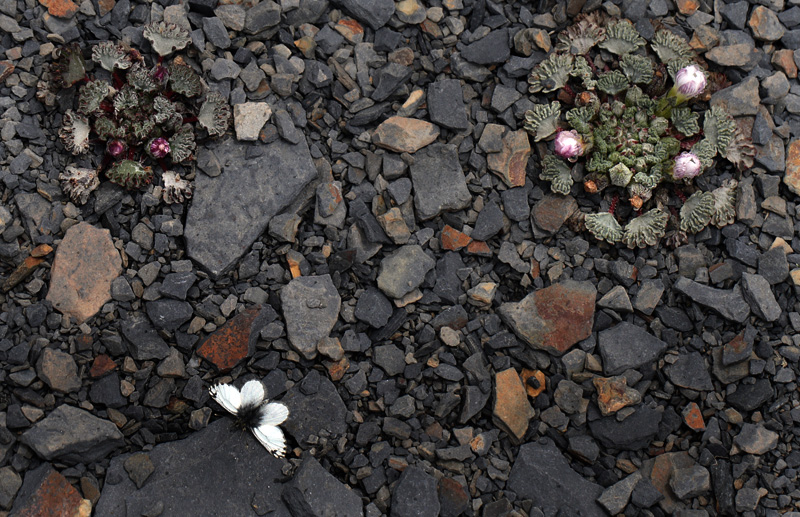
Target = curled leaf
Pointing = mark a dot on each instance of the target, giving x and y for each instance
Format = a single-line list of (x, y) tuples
[(604, 227), (69, 66), (638, 69), (74, 132), (111, 55), (78, 183), (215, 114), (130, 174), (91, 95), (551, 74), (176, 190), (581, 36), (622, 38), (542, 120), (182, 144), (724, 203), (646, 230), (696, 212), (558, 173), (613, 82), (184, 80), (166, 38), (670, 46)]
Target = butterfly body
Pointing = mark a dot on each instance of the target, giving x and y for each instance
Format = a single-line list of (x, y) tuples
[(254, 412)]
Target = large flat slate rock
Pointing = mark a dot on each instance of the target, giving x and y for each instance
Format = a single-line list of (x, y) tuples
[(217, 471), (230, 211), (542, 474)]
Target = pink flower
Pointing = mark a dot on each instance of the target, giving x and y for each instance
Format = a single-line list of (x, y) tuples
[(687, 166), (115, 148), (690, 81), (568, 144), (159, 147)]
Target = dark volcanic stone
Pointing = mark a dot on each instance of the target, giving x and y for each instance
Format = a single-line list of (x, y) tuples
[(634, 433), (314, 412), (748, 397), (176, 285), (144, 341), (373, 307), (72, 435), (627, 346), (374, 13), (415, 495), (690, 371), (230, 211), (169, 314), (489, 223), (217, 471), (388, 79), (314, 491), (488, 50), (439, 182), (728, 302), (446, 104), (106, 392), (541, 473)]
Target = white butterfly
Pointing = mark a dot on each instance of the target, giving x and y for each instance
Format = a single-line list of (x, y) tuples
[(253, 412)]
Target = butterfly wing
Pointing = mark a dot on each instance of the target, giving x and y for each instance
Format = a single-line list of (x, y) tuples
[(252, 393), (227, 396), (273, 413), (271, 437)]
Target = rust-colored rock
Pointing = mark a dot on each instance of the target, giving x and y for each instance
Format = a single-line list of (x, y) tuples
[(510, 163), (404, 135), (60, 8), (479, 248), (765, 24), (85, 265), (538, 375), (512, 411), (660, 470), (6, 69), (337, 369), (101, 365), (614, 394), (693, 417), (453, 239), (351, 30), (552, 211), (792, 176), (554, 318), (784, 59), (46, 492), (453, 496), (687, 7), (106, 6), (236, 340)]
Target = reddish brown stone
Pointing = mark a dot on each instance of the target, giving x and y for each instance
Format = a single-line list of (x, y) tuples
[(554, 318), (784, 59), (453, 497), (660, 469), (453, 239), (536, 269), (337, 369), (765, 24), (6, 69), (106, 6), (85, 265), (60, 8), (22, 272), (552, 211), (687, 7), (351, 30), (479, 248), (403, 56), (704, 38), (510, 163), (235, 340), (101, 365), (404, 135), (539, 376), (792, 176), (614, 394), (431, 28), (512, 411), (693, 417), (46, 492), (294, 265)]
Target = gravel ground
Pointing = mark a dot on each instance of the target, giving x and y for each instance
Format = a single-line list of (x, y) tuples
[(371, 239)]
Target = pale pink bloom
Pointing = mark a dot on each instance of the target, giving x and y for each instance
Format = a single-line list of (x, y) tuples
[(159, 147), (687, 166), (568, 144), (115, 148), (690, 81)]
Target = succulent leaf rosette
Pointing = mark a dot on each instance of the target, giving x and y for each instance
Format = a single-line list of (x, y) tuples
[(639, 139), (145, 112)]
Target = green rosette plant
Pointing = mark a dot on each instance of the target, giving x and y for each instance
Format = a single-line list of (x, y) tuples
[(638, 140)]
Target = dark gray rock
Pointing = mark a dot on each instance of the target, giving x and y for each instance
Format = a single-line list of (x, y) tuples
[(772, 265), (690, 482), (439, 182), (143, 341), (748, 397), (373, 307), (314, 406), (449, 286), (216, 471), (490, 49), (390, 358), (415, 495), (286, 128), (9, 486), (541, 473), (374, 13), (627, 346), (728, 302), (446, 104), (756, 439), (177, 285), (216, 32), (515, 203), (230, 211), (106, 392), (690, 371), (168, 314), (263, 15), (645, 494), (489, 223), (388, 79), (758, 294), (311, 308), (615, 498), (735, 13), (648, 296), (72, 435), (404, 270), (634, 433), (314, 491)]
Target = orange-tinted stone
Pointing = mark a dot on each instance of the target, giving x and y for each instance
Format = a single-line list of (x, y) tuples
[(177, 406), (404, 135), (784, 59), (614, 394), (687, 7), (305, 45), (540, 378), (765, 24), (512, 411), (704, 38), (792, 176), (542, 39), (337, 369), (294, 266), (511, 162), (106, 6), (693, 417), (536, 269), (554, 318), (42, 250), (453, 496), (22, 272), (453, 239), (660, 471), (6, 69), (552, 211), (49, 494), (85, 265), (431, 28), (235, 340), (101, 365), (351, 30), (479, 248), (60, 8)]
